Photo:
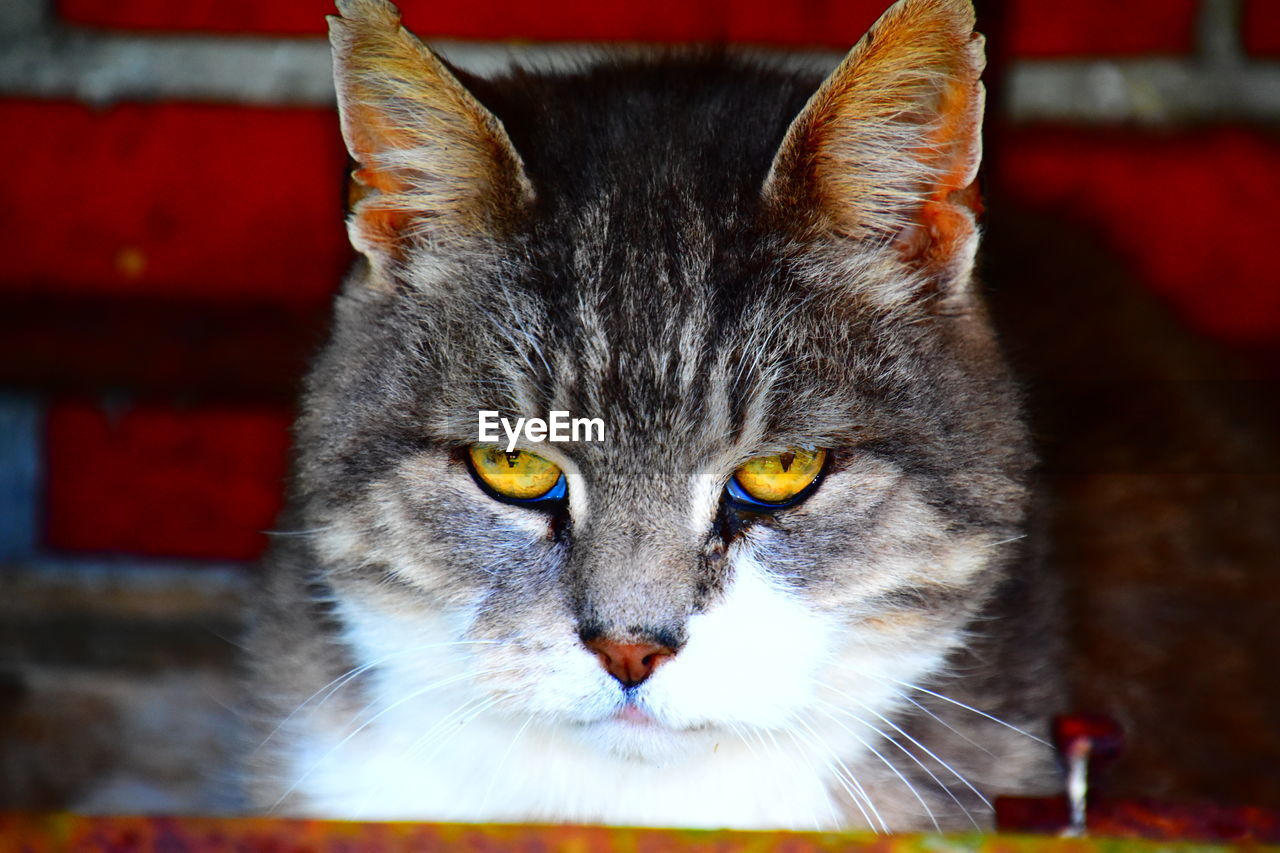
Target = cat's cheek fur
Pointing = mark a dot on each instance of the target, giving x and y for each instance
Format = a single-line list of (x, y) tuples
[(763, 657), (539, 741), (750, 659), (431, 527)]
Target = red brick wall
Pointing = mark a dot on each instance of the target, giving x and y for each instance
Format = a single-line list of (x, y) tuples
[(1035, 27), (1260, 27), (164, 480), (1191, 212), (175, 259), (195, 202)]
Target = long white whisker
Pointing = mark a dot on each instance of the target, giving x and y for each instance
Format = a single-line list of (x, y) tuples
[(852, 780), (779, 750), (355, 719), (438, 730), (493, 780), (945, 724), (959, 704), (341, 681), (442, 737), (848, 784), (312, 532), (945, 789), (413, 695), (922, 747), (889, 764), (835, 818), (1006, 541), (746, 741), (956, 702), (742, 736)]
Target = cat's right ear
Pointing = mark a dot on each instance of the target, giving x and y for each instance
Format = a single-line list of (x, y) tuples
[(433, 166)]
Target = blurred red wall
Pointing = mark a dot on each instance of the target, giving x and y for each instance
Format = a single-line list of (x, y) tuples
[(168, 264)]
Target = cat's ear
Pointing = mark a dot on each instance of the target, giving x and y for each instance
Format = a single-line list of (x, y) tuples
[(433, 165), (886, 152)]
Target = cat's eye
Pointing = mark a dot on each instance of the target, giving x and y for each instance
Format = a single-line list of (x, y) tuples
[(518, 476), (777, 481)]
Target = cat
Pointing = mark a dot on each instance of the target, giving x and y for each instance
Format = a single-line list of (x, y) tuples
[(794, 586)]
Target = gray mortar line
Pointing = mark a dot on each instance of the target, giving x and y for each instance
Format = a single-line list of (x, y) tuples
[(104, 68)]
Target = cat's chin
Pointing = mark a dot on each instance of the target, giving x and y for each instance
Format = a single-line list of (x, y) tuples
[(633, 734)]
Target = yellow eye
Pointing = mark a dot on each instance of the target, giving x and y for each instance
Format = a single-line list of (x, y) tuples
[(519, 475), (779, 478)]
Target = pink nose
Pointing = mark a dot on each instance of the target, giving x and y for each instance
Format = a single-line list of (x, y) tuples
[(630, 663)]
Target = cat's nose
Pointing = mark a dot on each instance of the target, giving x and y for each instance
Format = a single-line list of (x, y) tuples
[(630, 663)]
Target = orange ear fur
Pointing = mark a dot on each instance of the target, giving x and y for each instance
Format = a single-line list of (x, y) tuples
[(432, 162), (887, 150)]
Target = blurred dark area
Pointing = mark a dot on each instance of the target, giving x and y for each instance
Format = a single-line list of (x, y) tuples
[(171, 220)]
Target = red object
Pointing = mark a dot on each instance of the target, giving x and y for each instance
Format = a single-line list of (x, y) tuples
[(1099, 740), (1194, 213), (163, 481), (1101, 735), (207, 202), (1133, 818), (1034, 27), (1260, 27)]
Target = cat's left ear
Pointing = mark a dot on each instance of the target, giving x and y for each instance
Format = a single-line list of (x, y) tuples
[(434, 167), (886, 152)]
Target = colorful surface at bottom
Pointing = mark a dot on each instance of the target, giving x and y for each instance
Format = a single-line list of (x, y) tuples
[(50, 833)]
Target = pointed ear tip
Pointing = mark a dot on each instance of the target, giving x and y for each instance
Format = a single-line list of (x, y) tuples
[(962, 10), (366, 11), (358, 21), (956, 16), (978, 50), (954, 21)]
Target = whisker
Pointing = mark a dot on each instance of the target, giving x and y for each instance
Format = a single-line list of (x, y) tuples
[(933, 776), (443, 737), (956, 702), (922, 747), (341, 681), (440, 728), (889, 764), (1005, 541), (960, 704), (852, 780), (312, 532), (476, 703), (777, 747), (849, 774), (502, 761), (412, 695), (742, 735), (945, 724), (788, 729)]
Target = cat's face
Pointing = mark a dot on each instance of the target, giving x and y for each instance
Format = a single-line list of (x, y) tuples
[(703, 275)]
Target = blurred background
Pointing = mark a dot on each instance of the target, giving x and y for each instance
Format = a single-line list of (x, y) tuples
[(171, 232)]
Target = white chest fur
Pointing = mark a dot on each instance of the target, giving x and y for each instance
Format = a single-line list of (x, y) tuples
[(494, 770), (747, 749)]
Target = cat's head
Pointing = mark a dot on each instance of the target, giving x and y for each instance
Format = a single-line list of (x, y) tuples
[(811, 451)]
